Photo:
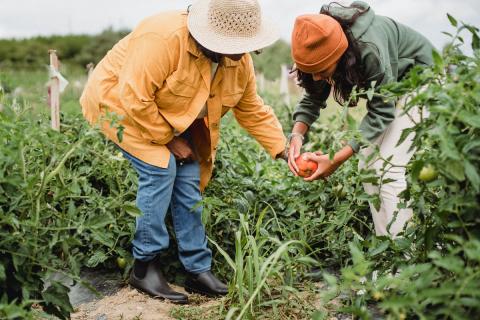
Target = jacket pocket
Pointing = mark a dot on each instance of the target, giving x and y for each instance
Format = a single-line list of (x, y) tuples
[(231, 100), (179, 87), (175, 95)]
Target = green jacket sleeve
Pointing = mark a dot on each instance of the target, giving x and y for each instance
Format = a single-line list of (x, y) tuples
[(308, 109)]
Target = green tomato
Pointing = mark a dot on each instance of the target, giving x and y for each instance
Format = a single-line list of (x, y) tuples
[(121, 262), (428, 173)]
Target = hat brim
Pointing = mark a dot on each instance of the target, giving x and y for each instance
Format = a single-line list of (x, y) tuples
[(200, 29)]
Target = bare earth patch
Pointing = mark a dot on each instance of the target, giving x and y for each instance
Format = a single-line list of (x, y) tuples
[(128, 303)]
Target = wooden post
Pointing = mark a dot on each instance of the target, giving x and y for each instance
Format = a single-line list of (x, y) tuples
[(90, 68), (284, 90), (261, 82), (54, 90)]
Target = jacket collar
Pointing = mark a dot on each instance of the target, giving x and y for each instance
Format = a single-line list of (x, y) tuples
[(192, 47), (230, 63), (196, 52)]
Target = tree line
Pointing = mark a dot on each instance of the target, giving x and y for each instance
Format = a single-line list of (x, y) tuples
[(79, 50)]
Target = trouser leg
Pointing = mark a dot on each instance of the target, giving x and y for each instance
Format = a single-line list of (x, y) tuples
[(389, 219), (155, 187), (194, 254)]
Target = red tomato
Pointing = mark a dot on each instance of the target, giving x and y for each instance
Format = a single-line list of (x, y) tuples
[(305, 167)]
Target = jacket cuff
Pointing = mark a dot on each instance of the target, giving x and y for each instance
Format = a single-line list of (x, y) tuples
[(278, 150), (305, 119), (355, 145)]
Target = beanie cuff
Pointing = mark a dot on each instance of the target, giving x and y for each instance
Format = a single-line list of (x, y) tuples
[(328, 61)]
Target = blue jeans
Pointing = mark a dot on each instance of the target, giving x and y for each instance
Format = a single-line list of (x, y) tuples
[(178, 188)]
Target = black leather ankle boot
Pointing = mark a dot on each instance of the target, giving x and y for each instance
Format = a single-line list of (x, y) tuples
[(154, 283), (206, 284)]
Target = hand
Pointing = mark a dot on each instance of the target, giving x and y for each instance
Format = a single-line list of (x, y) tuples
[(296, 143), (325, 166), (180, 149)]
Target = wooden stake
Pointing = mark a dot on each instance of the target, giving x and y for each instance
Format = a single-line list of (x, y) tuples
[(54, 91), (284, 90), (261, 82), (90, 68)]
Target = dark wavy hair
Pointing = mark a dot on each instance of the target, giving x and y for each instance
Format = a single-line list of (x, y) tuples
[(350, 70)]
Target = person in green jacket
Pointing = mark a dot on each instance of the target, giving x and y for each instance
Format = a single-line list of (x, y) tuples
[(344, 47)]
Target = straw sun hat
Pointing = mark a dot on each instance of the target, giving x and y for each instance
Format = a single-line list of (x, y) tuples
[(230, 26)]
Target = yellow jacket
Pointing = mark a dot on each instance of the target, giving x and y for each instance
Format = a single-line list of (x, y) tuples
[(157, 81)]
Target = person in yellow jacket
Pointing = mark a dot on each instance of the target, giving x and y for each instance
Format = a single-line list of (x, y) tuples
[(170, 81)]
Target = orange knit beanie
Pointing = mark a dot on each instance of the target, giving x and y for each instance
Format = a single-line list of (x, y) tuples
[(318, 42)]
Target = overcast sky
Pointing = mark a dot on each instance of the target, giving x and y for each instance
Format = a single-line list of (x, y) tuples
[(26, 18)]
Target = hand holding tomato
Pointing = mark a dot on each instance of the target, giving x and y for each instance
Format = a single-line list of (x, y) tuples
[(325, 166), (296, 143), (305, 167)]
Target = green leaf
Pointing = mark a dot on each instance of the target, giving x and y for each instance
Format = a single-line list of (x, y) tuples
[(438, 60), (452, 20), (475, 39), (379, 249), (99, 221), (97, 258), (57, 300), (2, 273), (450, 263), (470, 118), (472, 249), (330, 279), (472, 175), (447, 144), (352, 123), (132, 210), (319, 315), (104, 238), (243, 157), (306, 260), (475, 42), (357, 254), (455, 169), (120, 130)]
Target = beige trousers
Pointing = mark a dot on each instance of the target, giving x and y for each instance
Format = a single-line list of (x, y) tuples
[(389, 219)]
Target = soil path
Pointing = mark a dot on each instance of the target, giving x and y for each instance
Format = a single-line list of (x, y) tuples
[(130, 304)]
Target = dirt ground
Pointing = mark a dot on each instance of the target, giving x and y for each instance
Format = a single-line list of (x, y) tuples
[(130, 304)]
